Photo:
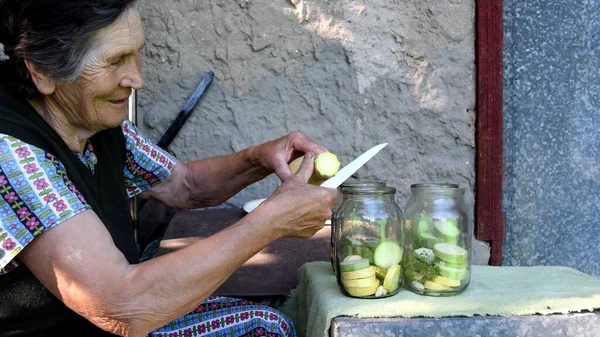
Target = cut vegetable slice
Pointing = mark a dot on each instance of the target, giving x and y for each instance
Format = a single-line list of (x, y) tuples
[(446, 281), (434, 286), (451, 264), (352, 258), (392, 278), (424, 255), (361, 273), (354, 265), (387, 254), (447, 230), (360, 282), (326, 164), (450, 253), (380, 291), (453, 273), (363, 291), (421, 227), (380, 272), (429, 240)]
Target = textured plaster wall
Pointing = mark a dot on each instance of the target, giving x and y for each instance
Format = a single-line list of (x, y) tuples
[(552, 143), (350, 74)]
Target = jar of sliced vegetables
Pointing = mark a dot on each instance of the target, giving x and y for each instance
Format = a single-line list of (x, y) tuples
[(437, 258), (367, 240)]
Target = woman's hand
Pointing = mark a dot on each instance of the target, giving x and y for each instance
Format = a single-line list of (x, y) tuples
[(276, 154), (298, 209)]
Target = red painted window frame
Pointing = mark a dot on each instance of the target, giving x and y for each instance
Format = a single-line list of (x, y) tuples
[(489, 218)]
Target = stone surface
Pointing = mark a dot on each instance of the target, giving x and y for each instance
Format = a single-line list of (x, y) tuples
[(575, 325), (350, 74), (552, 143)]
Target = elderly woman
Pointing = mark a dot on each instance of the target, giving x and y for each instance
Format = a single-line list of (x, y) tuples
[(70, 162)]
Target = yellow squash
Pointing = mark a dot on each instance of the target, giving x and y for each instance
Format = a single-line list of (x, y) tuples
[(326, 166)]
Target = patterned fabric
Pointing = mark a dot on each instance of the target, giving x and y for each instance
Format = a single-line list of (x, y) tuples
[(146, 163), (87, 157), (36, 193), (229, 317)]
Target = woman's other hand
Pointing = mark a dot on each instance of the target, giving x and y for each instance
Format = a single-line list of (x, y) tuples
[(276, 154), (297, 208)]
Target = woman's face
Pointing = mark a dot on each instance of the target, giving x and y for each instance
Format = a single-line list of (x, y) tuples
[(98, 98)]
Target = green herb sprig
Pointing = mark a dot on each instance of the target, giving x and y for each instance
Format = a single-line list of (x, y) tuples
[(414, 268)]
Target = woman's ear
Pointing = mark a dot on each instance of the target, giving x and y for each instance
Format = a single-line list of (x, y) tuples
[(44, 83)]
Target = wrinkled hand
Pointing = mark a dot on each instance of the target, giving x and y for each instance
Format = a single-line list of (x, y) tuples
[(296, 208), (276, 154)]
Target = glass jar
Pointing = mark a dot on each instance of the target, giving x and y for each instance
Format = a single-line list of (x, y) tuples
[(437, 259), (367, 240), (351, 183)]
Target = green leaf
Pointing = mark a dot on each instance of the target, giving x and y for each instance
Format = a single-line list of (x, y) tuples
[(22, 232), (45, 213), (65, 214), (45, 192), (39, 230), (26, 160), (17, 204), (36, 176), (5, 189)]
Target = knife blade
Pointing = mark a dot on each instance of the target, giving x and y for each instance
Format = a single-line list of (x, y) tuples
[(349, 169)]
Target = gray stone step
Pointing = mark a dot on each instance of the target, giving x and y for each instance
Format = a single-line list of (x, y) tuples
[(572, 325)]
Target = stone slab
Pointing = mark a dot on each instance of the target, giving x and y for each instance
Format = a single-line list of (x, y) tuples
[(571, 325)]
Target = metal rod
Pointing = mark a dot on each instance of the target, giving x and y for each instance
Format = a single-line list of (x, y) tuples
[(133, 203)]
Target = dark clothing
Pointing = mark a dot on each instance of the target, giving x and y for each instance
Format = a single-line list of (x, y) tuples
[(27, 308)]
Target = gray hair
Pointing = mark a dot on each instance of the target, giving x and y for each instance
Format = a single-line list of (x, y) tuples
[(57, 36)]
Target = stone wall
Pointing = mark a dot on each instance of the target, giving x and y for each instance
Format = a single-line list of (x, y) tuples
[(350, 74)]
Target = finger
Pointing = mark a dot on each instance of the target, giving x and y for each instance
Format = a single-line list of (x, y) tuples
[(282, 169), (303, 143), (306, 168)]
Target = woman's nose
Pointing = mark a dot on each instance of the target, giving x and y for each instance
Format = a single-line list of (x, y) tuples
[(133, 77)]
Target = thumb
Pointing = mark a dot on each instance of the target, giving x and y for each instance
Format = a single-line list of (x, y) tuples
[(306, 167)]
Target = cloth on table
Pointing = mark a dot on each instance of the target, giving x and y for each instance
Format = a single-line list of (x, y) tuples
[(494, 291)]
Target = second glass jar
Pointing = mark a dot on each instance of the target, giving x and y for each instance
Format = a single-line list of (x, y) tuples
[(437, 259), (367, 240)]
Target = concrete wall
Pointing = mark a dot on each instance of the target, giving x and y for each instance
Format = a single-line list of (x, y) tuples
[(350, 74), (552, 143)]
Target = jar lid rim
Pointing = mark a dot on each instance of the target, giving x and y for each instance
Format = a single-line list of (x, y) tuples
[(368, 189), (434, 185), (352, 183)]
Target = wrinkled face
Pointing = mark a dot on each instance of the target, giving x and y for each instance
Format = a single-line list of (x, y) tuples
[(98, 98)]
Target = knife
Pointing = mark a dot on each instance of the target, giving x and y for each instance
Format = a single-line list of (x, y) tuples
[(185, 112), (349, 169), (338, 178)]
